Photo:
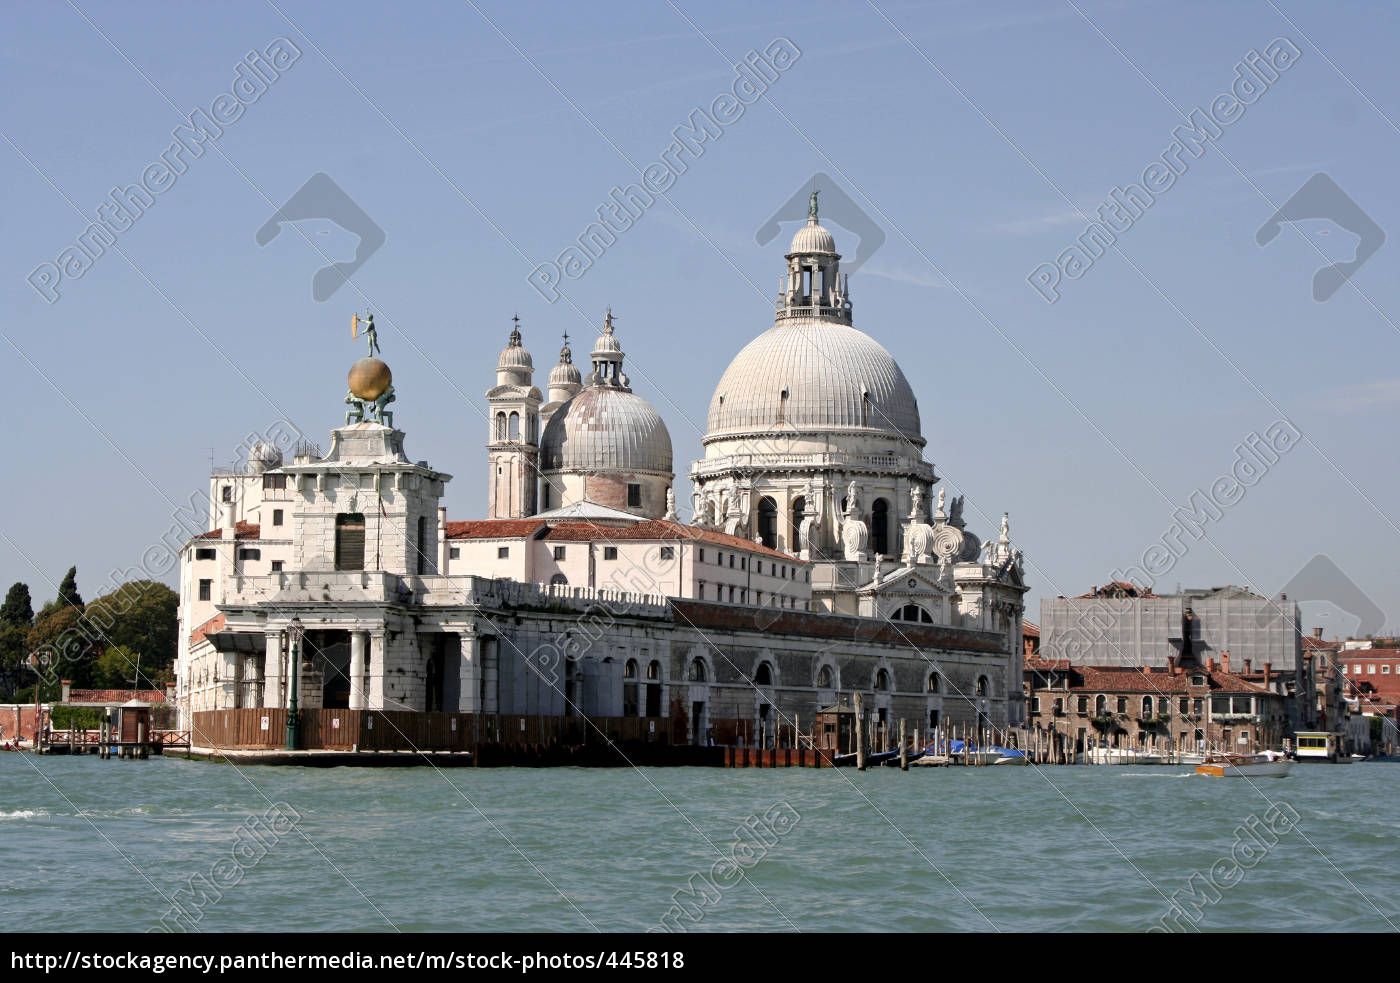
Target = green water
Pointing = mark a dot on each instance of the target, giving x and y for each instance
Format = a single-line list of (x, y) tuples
[(109, 844)]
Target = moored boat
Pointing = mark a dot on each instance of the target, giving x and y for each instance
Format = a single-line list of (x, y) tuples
[(1009, 756), (1265, 765)]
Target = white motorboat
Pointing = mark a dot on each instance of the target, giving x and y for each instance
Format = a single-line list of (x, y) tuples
[(1265, 765)]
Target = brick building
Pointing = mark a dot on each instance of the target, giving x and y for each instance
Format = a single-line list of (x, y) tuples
[(1164, 708)]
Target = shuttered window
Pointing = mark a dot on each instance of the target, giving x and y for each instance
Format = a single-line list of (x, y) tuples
[(350, 541)]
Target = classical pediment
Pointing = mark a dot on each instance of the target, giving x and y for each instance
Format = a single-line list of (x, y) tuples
[(917, 581)]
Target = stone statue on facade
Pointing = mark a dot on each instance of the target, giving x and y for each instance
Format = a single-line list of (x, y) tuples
[(811, 522), (670, 515), (939, 513), (854, 533)]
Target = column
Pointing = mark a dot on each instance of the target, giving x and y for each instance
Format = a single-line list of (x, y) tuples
[(357, 670), (272, 671), (490, 676), (469, 673), (375, 671)]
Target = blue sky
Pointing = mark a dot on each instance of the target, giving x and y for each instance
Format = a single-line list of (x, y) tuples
[(482, 138)]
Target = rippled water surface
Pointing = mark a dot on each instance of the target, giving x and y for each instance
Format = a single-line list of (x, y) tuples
[(106, 844)]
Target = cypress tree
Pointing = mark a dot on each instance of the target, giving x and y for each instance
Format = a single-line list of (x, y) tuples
[(68, 590), (18, 609)]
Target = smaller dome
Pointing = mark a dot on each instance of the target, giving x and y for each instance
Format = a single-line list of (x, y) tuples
[(514, 355), (605, 430), (813, 238), (263, 457), (564, 373)]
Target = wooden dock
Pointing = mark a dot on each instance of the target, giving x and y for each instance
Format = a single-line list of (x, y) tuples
[(107, 743)]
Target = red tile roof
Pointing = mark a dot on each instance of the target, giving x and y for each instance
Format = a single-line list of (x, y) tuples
[(651, 530), (104, 697), (243, 530), (1131, 679), (493, 528), (1030, 629), (214, 624)]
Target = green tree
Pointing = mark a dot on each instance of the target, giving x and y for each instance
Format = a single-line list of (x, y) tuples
[(12, 659), (68, 590), (140, 616), (117, 667), (18, 609), (57, 633), (68, 596)]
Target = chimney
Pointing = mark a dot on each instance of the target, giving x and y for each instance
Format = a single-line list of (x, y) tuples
[(1268, 670), (1317, 632), (227, 525), (1225, 661), (67, 687), (1171, 665), (1247, 666), (1210, 665)]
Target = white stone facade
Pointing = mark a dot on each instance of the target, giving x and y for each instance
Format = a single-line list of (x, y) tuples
[(817, 564)]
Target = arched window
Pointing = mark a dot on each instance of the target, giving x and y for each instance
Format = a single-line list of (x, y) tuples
[(653, 670), (768, 522), (912, 612), (500, 427), (880, 527), (1100, 705), (698, 672), (882, 680), (1147, 706), (933, 682), (558, 580), (981, 685), (764, 675), (824, 677), (629, 671), (515, 426)]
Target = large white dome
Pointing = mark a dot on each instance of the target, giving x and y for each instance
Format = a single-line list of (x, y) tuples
[(813, 375), (604, 429)]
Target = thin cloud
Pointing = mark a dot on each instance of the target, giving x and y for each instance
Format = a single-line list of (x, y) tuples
[(1364, 396), (1041, 223)]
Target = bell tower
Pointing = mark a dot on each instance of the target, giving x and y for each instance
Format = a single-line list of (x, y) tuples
[(513, 441)]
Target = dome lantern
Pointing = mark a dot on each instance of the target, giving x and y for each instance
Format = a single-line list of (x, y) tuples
[(814, 285)]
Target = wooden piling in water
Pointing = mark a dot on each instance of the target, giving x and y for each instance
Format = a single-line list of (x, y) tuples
[(903, 748)]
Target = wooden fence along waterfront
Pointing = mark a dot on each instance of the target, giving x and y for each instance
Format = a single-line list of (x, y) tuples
[(494, 739)]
